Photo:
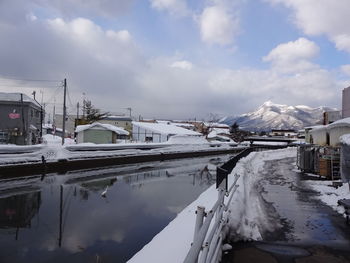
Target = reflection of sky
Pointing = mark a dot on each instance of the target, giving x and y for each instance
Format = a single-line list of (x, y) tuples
[(136, 208)]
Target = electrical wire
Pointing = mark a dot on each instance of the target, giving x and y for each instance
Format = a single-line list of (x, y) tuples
[(33, 80)]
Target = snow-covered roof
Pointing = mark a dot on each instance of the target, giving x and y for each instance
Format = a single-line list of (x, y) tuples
[(165, 128), (16, 97), (340, 123), (110, 127)]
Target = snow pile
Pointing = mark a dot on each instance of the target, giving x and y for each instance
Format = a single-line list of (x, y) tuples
[(329, 194), (248, 216), (184, 139), (345, 139)]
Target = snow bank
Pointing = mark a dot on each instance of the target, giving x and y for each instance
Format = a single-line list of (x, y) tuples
[(173, 243), (184, 139), (329, 194), (249, 218)]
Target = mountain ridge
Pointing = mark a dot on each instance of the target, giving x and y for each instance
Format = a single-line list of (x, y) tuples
[(278, 116)]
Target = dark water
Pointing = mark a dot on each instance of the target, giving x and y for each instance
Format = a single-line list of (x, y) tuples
[(64, 218)]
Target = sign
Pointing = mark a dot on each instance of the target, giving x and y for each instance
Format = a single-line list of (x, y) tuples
[(14, 115)]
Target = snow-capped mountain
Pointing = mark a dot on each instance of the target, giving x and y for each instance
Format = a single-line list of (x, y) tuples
[(276, 116)]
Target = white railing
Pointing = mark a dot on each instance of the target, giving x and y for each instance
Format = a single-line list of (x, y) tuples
[(206, 246)]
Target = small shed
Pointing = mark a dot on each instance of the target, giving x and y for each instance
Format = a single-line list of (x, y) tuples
[(318, 135), (337, 129), (158, 132), (99, 133)]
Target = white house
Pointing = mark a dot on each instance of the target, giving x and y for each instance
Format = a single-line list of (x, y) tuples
[(157, 132), (337, 129), (99, 133)]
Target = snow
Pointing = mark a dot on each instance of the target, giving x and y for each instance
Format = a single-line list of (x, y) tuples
[(17, 98), (166, 129), (340, 123), (173, 243), (184, 139), (110, 127), (329, 194), (345, 139)]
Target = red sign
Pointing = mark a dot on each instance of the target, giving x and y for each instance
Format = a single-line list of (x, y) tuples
[(14, 115)]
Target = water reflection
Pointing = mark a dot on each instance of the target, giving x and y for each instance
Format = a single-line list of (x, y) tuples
[(76, 223)]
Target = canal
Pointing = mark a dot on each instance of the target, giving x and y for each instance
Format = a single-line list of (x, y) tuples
[(102, 215)]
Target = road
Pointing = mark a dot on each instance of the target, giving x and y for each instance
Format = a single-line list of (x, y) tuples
[(310, 232)]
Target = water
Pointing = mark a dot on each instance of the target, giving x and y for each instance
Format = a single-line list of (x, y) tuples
[(64, 218)]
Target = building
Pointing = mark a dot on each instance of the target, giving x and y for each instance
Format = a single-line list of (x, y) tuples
[(331, 116), (99, 133), (284, 133), (21, 119), (346, 103), (319, 135), (119, 121), (69, 125), (158, 132), (336, 130)]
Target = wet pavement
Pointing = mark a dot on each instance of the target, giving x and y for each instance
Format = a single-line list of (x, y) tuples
[(310, 231)]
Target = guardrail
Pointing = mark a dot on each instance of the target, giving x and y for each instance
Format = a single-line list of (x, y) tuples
[(206, 246)]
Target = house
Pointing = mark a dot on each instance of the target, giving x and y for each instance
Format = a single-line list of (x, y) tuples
[(99, 133), (337, 129), (157, 132), (318, 135), (21, 119), (284, 133), (119, 121)]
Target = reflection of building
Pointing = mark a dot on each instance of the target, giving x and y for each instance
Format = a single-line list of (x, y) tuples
[(20, 119), (17, 211)]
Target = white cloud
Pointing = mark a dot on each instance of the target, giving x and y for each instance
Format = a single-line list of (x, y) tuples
[(293, 56), (218, 25), (174, 7), (345, 69), (182, 65), (317, 17)]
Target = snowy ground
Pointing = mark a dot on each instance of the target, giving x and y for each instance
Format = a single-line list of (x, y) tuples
[(173, 243), (329, 194)]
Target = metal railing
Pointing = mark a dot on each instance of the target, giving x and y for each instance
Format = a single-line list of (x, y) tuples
[(206, 246)]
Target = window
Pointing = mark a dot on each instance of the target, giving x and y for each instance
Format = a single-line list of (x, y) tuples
[(148, 139)]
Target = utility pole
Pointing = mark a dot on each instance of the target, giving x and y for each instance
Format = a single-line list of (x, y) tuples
[(77, 110), (24, 130), (64, 110)]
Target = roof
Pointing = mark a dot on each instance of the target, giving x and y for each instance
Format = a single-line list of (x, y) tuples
[(166, 129), (110, 127), (340, 123), (16, 97)]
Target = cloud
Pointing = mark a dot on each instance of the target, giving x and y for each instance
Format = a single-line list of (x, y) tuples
[(322, 17), (182, 65), (345, 69), (174, 7), (218, 24), (293, 56)]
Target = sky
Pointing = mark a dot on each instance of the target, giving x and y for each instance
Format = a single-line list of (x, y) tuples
[(176, 59)]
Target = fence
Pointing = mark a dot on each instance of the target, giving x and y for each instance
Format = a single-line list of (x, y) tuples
[(206, 247)]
